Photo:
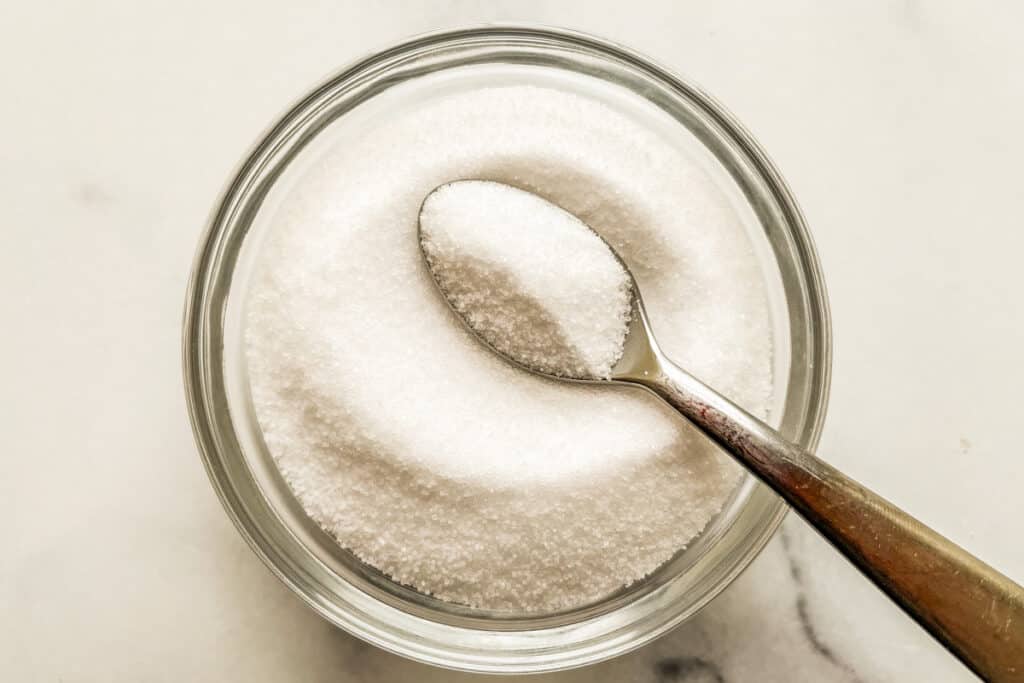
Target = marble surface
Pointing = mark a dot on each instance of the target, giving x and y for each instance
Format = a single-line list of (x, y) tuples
[(897, 124)]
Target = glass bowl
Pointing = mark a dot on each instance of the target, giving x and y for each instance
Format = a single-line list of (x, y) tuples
[(334, 582)]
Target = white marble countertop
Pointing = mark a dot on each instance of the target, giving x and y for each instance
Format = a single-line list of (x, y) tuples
[(897, 124)]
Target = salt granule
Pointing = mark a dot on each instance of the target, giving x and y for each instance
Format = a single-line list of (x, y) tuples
[(531, 279), (423, 452)]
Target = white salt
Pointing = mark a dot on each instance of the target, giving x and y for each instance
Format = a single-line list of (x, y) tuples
[(531, 279), (430, 457)]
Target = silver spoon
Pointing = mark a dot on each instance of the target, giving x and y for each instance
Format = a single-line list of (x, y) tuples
[(969, 607)]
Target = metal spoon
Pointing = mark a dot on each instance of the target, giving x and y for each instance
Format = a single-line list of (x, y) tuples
[(969, 607)]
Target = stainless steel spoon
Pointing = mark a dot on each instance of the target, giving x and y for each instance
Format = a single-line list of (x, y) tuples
[(972, 609)]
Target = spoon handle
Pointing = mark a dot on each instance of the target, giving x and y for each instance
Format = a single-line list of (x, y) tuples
[(972, 609)]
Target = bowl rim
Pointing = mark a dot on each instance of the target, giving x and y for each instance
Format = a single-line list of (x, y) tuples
[(200, 339)]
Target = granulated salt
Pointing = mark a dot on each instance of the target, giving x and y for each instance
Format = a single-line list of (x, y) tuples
[(531, 279), (430, 457)]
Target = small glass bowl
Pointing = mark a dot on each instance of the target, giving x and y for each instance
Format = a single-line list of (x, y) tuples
[(359, 598)]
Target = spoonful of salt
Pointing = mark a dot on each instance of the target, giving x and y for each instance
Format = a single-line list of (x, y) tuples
[(543, 290)]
